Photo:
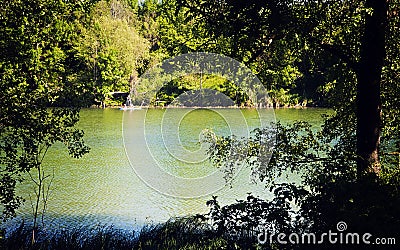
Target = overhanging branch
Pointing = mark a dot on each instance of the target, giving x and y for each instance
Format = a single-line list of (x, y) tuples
[(339, 52)]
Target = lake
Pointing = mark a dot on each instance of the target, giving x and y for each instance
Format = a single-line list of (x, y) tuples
[(146, 167)]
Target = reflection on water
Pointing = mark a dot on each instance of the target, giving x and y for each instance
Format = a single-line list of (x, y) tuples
[(102, 187)]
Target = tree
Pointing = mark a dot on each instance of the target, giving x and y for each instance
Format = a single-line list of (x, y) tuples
[(350, 168), (112, 48), (40, 92), (355, 32), (369, 71), (172, 32), (328, 193)]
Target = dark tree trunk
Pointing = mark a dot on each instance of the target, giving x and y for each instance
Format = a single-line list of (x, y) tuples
[(368, 87)]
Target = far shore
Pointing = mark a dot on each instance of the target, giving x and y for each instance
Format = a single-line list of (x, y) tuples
[(211, 107)]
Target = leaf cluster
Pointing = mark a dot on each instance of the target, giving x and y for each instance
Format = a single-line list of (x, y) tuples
[(40, 92)]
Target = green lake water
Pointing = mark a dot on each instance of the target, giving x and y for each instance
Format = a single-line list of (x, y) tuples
[(115, 184)]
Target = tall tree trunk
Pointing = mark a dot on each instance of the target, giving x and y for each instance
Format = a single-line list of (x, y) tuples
[(368, 87)]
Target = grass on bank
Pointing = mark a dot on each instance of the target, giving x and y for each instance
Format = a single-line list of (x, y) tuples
[(181, 233)]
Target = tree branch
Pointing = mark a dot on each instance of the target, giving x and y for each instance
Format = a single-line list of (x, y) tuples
[(336, 51)]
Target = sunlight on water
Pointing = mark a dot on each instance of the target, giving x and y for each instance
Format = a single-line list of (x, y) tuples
[(102, 187)]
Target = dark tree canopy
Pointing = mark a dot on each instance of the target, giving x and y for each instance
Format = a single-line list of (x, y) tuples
[(347, 38)]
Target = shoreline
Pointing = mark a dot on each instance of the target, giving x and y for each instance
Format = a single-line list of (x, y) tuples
[(209, 107)]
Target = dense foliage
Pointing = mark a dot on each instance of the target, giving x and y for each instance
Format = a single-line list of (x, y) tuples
[(58, 56), (330, 190), (119, 40), (40, 90), (112, 49), (350, 168)]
